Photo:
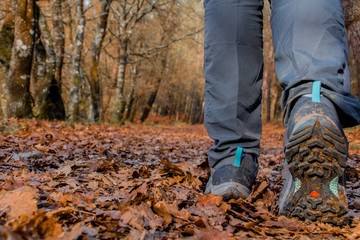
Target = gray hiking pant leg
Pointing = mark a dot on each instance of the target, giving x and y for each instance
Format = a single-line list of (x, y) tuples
[(233, 67), (310, 45)]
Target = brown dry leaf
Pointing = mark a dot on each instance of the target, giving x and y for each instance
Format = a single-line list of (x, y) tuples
[(60, 212), (170, 168), (290, 224), (135, 234), (68, 197), (213, 234), (51, 228), (41, 148), (119, 188), (65, 171), (140, 217), (225, 207), (260, 190), (74, 233), (355, 233), (19, 202), (115, 214), (163, 210), (210, 199)]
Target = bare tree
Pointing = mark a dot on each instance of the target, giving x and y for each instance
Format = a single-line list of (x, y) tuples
[(130, 15), (95, 88), (76, 61), (43, 50)]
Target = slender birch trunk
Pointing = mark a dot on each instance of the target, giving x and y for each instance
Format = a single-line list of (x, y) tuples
[(73, 111), (119, 104)]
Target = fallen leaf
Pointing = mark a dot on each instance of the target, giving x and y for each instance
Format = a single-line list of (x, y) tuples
[(213, 234), (19, 202), (210, 199), (140, 217), (163, 210)]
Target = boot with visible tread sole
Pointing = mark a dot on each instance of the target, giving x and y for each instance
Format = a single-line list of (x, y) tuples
[(316, 152)]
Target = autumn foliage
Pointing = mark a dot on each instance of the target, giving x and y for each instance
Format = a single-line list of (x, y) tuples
[(63, 181)]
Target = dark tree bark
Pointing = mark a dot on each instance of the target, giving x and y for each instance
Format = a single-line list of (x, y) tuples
[(59, 40), (6, 43), (155, 90), (131, 98), (20, 101), (351, 10), (48, 101), (7, 35), (135, 108), (95, 88)]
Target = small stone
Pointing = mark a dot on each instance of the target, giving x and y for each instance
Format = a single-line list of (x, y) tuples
[(357, 204)]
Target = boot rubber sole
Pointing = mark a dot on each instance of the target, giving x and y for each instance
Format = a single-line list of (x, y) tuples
[(316, 153), (228, 190)]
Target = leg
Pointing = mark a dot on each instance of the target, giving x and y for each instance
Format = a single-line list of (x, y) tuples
[(311, 63), (310, 45), (233, 73)]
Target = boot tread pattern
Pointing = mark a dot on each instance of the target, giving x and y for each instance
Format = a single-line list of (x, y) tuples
[(316, 153)]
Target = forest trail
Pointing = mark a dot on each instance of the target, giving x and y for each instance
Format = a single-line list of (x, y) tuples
[(60, 181)]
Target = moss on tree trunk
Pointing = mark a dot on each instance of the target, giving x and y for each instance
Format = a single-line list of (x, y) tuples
[(20, 100)]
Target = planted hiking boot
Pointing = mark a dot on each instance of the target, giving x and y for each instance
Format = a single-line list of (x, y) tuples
[(233, 177), (316, 153)]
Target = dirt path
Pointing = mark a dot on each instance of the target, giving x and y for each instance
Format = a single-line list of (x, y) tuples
[(140, 182)]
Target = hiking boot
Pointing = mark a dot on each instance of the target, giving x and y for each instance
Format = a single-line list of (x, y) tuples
[(233, 177), (316, 153)]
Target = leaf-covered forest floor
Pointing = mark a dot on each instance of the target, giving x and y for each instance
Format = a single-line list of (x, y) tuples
[(60, 181)]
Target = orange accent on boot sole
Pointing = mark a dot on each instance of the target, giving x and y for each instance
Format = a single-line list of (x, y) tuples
[(314, 194)]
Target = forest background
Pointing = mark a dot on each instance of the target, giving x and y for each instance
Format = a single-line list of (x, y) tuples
[(120, 60)]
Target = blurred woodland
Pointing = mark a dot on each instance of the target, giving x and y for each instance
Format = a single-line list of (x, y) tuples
[(119, 60)]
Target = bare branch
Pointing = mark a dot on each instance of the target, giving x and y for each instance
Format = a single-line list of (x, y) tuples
[(88, 8), (95, 17), (151, 50)]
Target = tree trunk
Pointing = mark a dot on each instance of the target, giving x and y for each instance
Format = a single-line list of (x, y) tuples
[(48, 101), (130, 99), (95, 89), (267, 97), (59, 40), (7, 35), (154, 92), (119, 104), (135, 108), (275, 106), (6, 43), (352, 21), (76, 61), (109, 91), (19, 103)]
